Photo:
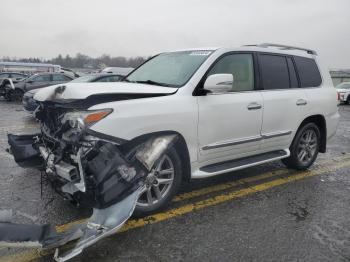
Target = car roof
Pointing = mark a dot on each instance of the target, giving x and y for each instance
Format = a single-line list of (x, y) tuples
[(264, 48)]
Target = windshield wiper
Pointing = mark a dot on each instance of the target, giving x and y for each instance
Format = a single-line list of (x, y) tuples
[(151, 82)]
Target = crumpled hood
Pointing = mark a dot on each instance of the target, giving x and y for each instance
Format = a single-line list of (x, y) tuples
[(77, 91)]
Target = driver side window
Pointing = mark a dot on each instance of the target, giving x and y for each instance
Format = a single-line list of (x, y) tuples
[(240, 66)]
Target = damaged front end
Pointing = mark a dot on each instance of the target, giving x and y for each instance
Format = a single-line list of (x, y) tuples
[(86, 170)]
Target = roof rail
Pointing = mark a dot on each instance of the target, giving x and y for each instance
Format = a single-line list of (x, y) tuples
[(285, 47)]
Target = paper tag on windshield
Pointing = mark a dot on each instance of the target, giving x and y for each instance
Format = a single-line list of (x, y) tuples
[(203, 53)]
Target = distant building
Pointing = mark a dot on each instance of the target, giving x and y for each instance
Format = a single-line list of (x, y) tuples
[(340, 76), (28, 67)]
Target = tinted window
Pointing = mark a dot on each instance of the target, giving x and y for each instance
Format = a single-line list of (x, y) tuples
[(240, 66), (4, 75), (61, 78), (42, 78), (274, 72), (308, 72), (292, 74), (17, 76)]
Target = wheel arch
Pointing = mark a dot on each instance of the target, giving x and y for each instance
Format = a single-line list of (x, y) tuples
[(320, 121), (180, 147)]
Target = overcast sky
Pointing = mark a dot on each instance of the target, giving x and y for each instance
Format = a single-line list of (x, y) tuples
[(46, 28)]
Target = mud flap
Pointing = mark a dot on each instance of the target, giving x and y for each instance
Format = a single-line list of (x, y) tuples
[(104, 221)]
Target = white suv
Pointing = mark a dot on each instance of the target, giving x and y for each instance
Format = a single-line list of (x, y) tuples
[(231, 108)]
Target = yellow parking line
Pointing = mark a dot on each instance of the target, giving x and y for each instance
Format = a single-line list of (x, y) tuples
[(211, 189), (227, 185), (131, 224), (229, 196)]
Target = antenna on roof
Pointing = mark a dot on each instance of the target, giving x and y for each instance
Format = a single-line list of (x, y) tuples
[(285, 47)]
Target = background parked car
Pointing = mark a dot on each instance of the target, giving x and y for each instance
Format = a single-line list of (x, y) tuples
[(343, 90), (11, 75), (36, 81), (30, 104)]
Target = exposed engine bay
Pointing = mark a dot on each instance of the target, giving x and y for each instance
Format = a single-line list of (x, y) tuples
[(85, 169)]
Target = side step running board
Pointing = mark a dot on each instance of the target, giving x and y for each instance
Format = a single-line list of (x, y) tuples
[(236, 164)]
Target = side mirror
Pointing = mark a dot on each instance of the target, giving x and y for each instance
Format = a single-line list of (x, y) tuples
[(30, 81), (219, 83)]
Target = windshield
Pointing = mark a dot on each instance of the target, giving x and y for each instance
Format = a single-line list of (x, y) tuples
[(343, 86), (169, 69), (84, 79)]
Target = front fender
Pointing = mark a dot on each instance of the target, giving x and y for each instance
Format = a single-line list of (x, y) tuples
[(134, 118)]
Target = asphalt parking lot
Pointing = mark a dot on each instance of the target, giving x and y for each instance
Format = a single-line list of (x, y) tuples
[(265, 213)]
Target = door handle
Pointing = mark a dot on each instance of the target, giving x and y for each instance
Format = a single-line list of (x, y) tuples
[(301, 102), (254, 106)]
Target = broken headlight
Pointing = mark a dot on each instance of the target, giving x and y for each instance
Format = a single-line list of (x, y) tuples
[(80, 120)]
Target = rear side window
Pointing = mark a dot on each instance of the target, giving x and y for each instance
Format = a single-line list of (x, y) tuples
[(308, 72), (274, 72)]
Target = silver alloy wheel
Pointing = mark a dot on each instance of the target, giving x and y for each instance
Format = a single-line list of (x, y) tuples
[(307, 146), (158, 183)]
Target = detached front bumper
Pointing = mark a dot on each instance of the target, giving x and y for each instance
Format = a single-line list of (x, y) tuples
[(102, 177)]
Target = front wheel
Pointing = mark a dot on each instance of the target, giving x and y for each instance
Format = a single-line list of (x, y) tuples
[(304, 148), (161, 185)]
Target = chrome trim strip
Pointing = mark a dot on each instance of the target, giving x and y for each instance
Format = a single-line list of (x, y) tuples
[(232, 143), (246, 140), (273, 135)]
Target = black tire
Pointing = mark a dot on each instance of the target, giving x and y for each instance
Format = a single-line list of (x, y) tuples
[(347, 102), (142, 210), (17, 95), (299, 148), (8, 97)]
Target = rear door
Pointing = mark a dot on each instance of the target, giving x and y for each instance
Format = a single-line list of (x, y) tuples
[(285, 103)]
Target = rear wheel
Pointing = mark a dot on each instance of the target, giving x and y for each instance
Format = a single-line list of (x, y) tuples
[(305, 147), (161, 185)]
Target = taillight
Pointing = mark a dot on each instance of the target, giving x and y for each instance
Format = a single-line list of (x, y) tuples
[(338, 96)]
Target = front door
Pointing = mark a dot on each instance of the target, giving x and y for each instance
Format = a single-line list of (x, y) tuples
[(230, 122)]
